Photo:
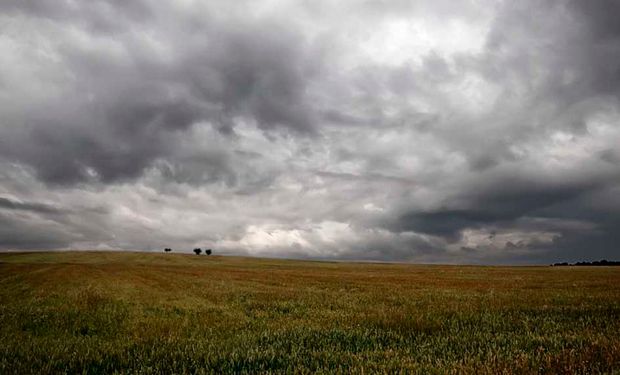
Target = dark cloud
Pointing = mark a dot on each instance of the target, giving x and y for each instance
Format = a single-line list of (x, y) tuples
[(436, 132), (602, 47), (23, 235), (119, 111), (600, 17), (9, 204), (501, 202)]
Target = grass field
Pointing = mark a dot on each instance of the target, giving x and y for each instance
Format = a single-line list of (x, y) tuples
[(104, 312)]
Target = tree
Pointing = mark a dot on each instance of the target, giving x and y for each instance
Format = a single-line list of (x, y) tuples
[(198, 251), (167, 249), (208, 251)]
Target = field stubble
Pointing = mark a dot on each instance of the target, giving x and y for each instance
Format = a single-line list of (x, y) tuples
[(104, 312)]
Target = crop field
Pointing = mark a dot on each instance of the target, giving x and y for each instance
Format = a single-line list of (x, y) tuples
[(109, 312)]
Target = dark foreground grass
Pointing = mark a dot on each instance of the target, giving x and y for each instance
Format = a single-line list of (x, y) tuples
[(164, 313)]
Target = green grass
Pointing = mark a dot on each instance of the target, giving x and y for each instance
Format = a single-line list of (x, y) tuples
[(98, 312)]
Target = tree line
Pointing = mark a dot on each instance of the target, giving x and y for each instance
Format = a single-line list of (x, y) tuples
[(603, 262)]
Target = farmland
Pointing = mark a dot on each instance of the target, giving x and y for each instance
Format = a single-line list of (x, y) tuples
[(112, 312)]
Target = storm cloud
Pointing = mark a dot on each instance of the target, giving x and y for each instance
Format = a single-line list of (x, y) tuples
[(477, 132)]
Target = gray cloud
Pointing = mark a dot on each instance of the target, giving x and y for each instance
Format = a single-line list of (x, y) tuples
[(6, 203), (122, 100), (436, 132)]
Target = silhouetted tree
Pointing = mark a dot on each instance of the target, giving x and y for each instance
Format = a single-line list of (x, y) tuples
[(208, 251), (167, 249), (198, 251)]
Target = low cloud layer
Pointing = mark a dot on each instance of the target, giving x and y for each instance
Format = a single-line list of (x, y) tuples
[(477, 132)]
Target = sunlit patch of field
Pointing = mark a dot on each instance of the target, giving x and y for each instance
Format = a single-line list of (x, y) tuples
[(105, 312)]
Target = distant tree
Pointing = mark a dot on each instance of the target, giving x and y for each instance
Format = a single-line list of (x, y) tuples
[(208, 251), (198, 251), (167, 249)]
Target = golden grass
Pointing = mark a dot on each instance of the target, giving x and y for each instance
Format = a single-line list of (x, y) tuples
[(162, 313)]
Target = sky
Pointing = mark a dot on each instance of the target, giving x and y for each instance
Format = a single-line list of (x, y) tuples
[(469, 132)]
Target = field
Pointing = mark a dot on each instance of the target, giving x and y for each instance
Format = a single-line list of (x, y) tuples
[(104, 312)]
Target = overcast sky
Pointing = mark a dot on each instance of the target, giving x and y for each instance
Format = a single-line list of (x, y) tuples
[(425, 131)]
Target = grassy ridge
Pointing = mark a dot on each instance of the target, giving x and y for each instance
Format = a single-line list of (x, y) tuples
[(170, 313)]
